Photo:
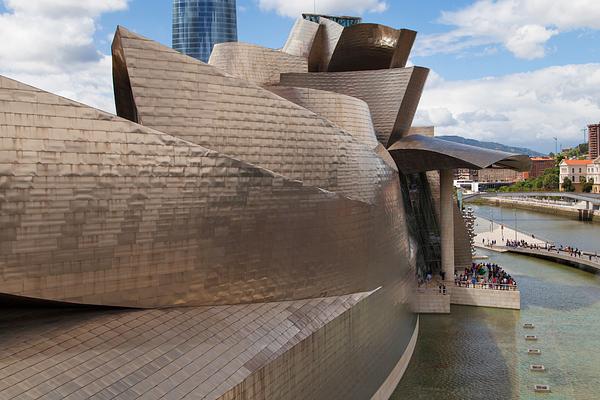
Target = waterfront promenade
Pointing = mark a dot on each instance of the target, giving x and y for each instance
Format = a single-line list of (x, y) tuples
[(535, 247), (499, 234)]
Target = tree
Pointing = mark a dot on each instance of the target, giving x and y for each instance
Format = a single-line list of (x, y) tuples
[(551, 181), (568, 185), (588, 186)]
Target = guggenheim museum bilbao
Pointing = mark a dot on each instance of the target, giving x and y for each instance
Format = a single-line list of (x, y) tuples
[(250, 228)]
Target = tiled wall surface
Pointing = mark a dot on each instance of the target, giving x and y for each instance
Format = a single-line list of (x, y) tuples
[(213, 191), (392, 94), (349, 113), (196, 102), (99, 210), (351, 358), (371, 47), (255, 64), (301, 38)]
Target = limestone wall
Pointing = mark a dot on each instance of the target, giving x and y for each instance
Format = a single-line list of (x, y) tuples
[(510, 299)]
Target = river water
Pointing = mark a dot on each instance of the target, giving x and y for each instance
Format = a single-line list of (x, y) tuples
[(481, 353)]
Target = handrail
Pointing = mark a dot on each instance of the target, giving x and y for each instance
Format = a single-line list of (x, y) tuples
[(488, 286), (593, 258)]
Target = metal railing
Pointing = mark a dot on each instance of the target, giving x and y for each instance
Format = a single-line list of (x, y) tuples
[(487, 286), (585, 256)]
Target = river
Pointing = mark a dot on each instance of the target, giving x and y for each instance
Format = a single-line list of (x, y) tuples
[(481, 353)]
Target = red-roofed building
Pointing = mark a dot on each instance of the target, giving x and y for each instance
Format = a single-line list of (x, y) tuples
[(574, 170)]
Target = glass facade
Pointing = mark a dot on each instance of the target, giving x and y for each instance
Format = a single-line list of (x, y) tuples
[(344, 21), (200, 24)]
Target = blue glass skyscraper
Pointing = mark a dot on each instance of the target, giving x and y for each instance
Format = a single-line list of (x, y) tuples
[(200, 24)]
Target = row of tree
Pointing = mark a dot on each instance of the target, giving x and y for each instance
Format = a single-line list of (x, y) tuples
[(548, 181), (586, 184)]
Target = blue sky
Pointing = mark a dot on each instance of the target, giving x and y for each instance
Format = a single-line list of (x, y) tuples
[(516, 71), (152, 18)]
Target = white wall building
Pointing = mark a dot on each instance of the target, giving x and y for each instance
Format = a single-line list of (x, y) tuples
[(574, 170), (593, 172)]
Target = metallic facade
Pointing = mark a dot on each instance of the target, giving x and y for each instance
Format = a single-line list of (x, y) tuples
[(349, 113), (200, 24), (371, 47), (418, 153), (324, 45), (392, 94), (301, 38), (255, 64), (249, 211)]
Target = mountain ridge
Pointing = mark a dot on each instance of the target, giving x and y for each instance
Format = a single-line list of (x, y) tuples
[(491, 145)]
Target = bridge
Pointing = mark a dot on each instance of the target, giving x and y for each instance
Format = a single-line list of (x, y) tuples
[(589, 198)]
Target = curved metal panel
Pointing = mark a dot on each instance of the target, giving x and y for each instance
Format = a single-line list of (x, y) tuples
[(349, 113), (418, 153), (181, 96), (105, 211), (392, 94), (370, 47), (324, 45), (301, 38), (255, 64)]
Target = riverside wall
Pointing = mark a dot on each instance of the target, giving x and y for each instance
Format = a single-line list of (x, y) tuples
[(510, 299), (553, 209)]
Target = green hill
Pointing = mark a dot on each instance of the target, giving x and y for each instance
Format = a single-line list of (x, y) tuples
[(492, 145)]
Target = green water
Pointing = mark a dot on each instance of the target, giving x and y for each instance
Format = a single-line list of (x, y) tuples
[(481, 353)]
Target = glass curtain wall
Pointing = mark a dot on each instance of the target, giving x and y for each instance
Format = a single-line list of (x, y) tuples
[(200, 24)]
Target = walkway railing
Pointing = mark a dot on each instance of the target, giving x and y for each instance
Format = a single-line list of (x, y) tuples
[(488, 286), (585, 256)]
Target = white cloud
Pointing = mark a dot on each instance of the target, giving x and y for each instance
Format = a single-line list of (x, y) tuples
[(50, 44), (294, 8), (525, 109), (522, 26)]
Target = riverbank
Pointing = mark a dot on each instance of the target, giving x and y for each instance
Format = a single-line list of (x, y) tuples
[(481, 353), (498, 237), (553, 209)]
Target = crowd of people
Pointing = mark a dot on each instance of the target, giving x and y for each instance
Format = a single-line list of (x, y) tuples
[(571, 251), (486, 275)]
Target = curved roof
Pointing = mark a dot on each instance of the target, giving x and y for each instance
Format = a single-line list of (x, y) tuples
[(418, 153), (349, 113), (370, 47), (392, 94), (301, 38)]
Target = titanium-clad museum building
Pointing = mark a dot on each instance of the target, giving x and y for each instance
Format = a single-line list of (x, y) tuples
[(250, 228)]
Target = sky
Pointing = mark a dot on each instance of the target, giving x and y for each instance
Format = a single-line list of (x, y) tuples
[(519, 72)]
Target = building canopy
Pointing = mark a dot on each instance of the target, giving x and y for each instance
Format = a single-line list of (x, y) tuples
[(418, 153)]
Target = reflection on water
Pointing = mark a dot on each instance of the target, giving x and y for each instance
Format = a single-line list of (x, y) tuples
[(480, 353)]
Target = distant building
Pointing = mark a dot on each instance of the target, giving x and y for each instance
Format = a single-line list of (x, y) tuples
[(342, 20), (574, 170), (465, 174), (594, 141), (539, 165), (565, 150), (593, 172), (200, 24), (497, 175)]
